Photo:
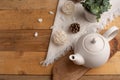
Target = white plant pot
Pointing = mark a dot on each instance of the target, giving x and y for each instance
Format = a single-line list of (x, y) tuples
[(89, 16)]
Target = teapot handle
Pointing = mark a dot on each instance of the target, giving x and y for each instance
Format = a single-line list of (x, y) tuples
[(111, 33)]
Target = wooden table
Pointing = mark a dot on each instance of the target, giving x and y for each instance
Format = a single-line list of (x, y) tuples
[(21, 52)]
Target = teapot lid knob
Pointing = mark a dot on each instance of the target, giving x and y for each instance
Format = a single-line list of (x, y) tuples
[(93, 41)]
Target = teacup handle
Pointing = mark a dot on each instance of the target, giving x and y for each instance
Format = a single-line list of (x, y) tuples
[(111, 33)]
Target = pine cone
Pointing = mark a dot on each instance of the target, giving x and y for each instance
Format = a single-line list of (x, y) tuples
[(75, 27)]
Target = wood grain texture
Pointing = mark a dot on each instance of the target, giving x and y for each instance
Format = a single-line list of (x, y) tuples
[(23, 63), (64, 69), (28, 4), (24, 40), (102, 77), (24, 14), (25, 19), (28, 77), (24, 77), (28, 63)]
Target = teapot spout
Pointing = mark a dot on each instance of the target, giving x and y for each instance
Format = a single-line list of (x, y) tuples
[(77, 59)]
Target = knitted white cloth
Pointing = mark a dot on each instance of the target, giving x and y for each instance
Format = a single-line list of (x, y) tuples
[(63, 21)]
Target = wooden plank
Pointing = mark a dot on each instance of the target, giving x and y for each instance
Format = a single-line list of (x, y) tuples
[(28, 77), (102, 77), (28, 63), (23, 63), (28, 4), (24, 77), (24, 40), (26, 19)]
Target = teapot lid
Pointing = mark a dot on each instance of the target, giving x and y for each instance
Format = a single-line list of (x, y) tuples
[(93, 42)]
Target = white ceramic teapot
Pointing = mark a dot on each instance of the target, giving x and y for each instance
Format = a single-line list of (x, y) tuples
[(92, 49)]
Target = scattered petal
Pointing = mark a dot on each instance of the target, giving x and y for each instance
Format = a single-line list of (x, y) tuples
[(51, 12), (36, 34), (40, 20), (41, 62), (51, 27)]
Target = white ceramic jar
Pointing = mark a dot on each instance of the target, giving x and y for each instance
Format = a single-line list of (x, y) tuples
[(89, 16), (92, 49)]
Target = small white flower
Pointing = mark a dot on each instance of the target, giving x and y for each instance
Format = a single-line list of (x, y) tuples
[(51, 12), (36, 34), (40, 20)]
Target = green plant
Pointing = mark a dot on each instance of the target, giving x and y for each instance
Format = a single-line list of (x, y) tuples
[(96, 7)]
